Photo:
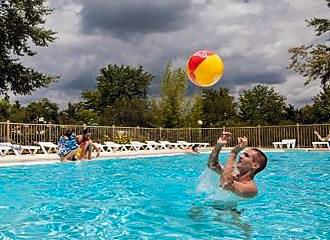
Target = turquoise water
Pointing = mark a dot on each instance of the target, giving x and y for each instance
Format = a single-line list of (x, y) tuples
[(169, 197)]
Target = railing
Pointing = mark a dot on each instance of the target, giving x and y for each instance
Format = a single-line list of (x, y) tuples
[(259, 136)]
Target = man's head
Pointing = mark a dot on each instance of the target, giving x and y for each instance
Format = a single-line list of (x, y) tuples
[(194, 148), (253, 160), (86, 135), (68, 133)]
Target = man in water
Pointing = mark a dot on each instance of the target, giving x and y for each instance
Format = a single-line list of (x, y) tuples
[(238, 177)]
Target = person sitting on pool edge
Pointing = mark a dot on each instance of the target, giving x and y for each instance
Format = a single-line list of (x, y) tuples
[(238, 177), (86, 146), (67, 145), (325, 139)]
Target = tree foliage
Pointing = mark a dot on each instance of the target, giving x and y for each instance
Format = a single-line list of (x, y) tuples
[(174, 84), (313, 61), (117, 82), (194, 112), (42, 109), (321, 107), (21, 29), (219, 108), (261, 105)]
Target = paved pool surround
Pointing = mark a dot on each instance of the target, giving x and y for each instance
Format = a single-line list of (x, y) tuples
[(27, 159)]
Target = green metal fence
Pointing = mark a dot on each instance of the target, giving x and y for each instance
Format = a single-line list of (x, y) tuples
[(259, 136)]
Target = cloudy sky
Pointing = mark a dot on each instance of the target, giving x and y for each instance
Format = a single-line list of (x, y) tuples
[(251, 36)]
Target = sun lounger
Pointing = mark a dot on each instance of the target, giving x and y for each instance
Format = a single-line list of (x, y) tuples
[(155, 145), (4, 150), (136, 145), (319, 144), (170, 145), (48, 147), (115, 146), (185, 144), (290, 143), (103, 147), (18, 149)]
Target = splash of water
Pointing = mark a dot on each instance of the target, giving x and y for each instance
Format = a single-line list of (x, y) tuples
[(209, 187)]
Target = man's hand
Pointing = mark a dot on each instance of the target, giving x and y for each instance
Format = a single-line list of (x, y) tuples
[(224, 138), (242, 143)]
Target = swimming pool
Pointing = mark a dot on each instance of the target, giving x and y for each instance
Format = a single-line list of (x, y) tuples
[(164, 198)]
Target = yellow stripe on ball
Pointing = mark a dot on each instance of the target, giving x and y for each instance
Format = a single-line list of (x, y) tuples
[(209, 71)]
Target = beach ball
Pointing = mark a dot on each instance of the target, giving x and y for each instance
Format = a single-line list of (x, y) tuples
[(204, 68)]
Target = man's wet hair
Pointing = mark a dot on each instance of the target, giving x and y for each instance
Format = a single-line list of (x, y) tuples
[(262, 160), (85, 131), (194, 147)]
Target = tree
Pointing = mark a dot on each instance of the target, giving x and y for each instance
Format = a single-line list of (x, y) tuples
[(42, 109), (194, 112), (86, 116), (117, 82), (219, 108), (128, 112), (313, 61), (305, 115), (290, 115), (4, 109), (17, 113), (261, 105), (21, 28), (173, 89), (321, 107)]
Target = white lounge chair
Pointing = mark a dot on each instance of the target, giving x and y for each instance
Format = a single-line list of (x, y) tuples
[(18, 149), (48, 147), (103, 147), (290, 143), (115, 146), (319, 144), (4, 150), (170, 145), (136, 145), (155, 145), (185, 144)]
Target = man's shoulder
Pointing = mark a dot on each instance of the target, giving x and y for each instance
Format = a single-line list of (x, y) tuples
[(246, 189)]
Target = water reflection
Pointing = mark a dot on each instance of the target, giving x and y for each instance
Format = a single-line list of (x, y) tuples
[(220, 217)]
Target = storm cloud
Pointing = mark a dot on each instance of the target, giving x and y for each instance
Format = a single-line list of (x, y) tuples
[(252, 37)]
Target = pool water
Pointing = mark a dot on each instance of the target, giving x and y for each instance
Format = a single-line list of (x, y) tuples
[(168, 197)]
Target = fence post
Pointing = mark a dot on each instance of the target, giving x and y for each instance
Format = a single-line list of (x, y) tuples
[(160, 133), (259, 135), (8, 131), (190, 133), (113, 132), (298, 139), (138, 133)]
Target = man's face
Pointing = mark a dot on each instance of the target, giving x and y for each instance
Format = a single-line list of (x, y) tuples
[(246, 161)]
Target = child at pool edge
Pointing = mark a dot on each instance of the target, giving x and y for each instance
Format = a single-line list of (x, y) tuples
[(86, 146), (238, 177)]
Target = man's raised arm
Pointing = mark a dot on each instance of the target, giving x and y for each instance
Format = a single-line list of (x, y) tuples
[(227, 179), (213, 162)]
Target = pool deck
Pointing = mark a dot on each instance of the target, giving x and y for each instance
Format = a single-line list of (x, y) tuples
[(27, 159)]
